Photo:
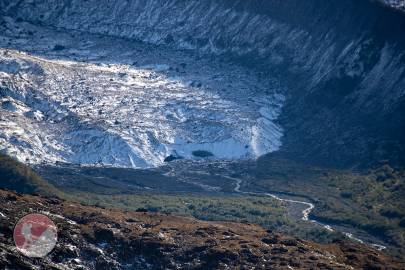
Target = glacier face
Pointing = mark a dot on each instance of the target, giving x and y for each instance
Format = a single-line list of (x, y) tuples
[(87, 99)]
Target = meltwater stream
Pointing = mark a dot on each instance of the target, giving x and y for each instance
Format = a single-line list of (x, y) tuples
[(305, 213)]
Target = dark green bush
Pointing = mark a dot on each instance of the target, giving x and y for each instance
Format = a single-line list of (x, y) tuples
[(16, 176)]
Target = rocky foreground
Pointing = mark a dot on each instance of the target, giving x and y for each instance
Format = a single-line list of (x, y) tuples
[(98, 238)]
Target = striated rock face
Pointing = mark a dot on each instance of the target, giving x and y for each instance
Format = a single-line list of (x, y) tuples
[(95, 238), (341, 63)]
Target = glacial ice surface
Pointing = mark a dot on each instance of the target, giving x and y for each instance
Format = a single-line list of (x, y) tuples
[(89, 99)]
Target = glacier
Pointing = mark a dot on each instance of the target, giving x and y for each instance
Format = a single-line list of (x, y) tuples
[(87, 99)]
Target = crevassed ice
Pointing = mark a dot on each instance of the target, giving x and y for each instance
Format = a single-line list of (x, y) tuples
[(89, 105)]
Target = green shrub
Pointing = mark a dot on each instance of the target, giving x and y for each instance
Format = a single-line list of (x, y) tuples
[(16, 176)]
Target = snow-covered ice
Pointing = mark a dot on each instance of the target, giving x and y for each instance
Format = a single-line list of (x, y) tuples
[(105, 101)]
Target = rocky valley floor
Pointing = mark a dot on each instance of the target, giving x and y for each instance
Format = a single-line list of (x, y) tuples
[(99, 238)]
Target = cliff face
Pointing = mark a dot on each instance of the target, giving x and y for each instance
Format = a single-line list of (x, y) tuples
[(342, 61)]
